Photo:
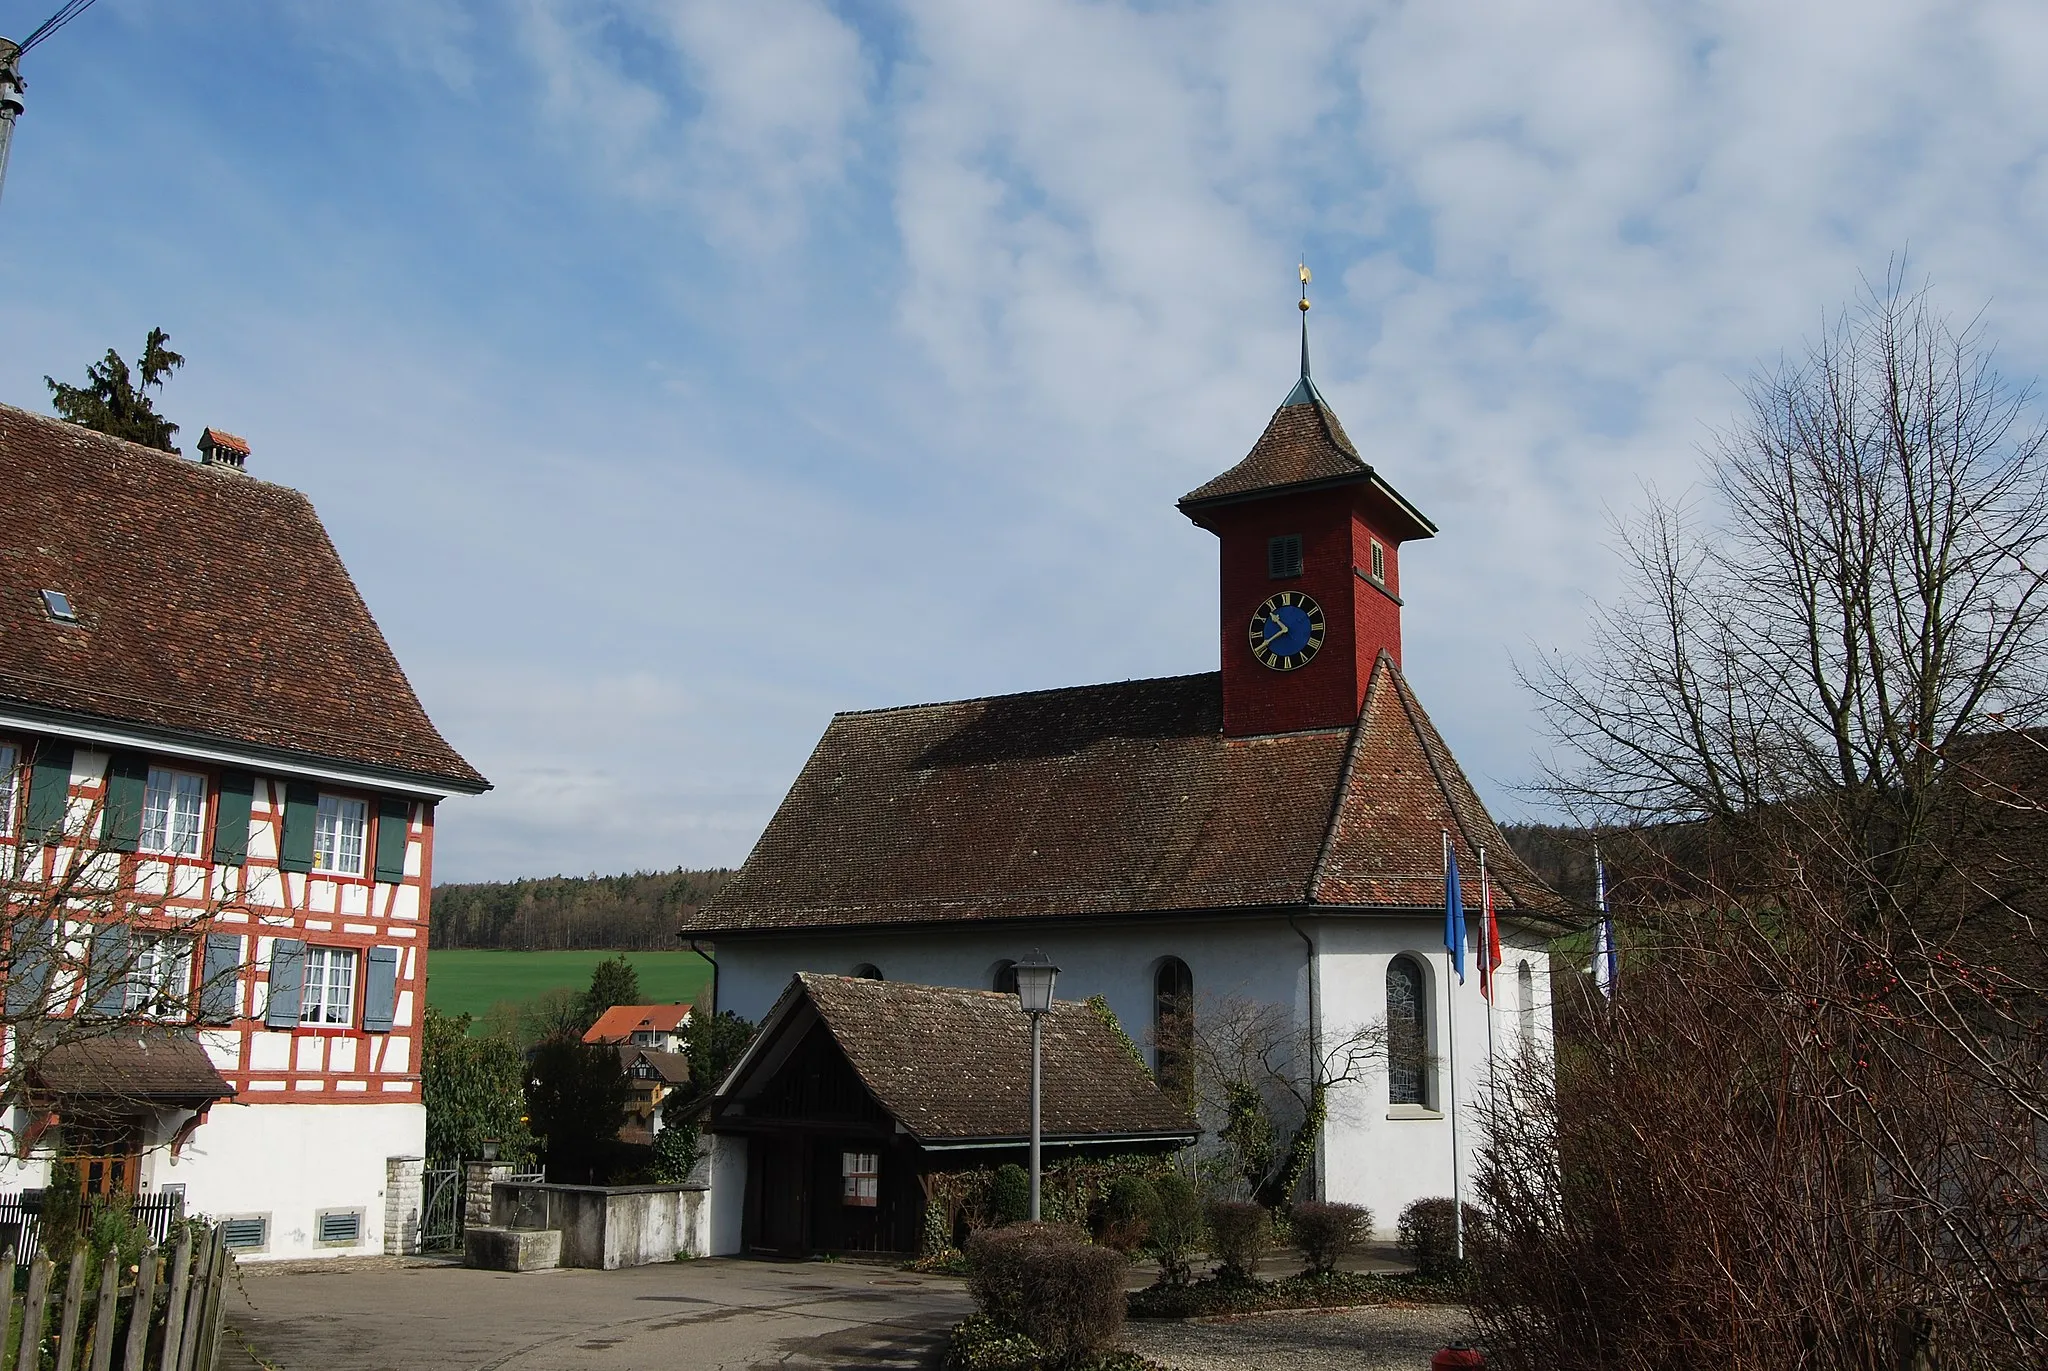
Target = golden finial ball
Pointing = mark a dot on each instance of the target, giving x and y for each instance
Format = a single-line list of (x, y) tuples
[(1304, 306)]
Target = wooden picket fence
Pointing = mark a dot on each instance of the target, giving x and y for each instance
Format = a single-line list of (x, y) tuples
[(163, 1314)]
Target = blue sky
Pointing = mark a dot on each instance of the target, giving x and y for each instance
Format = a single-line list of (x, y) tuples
[(672, 374)]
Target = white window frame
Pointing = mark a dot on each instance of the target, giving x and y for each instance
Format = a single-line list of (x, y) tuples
[(10, 789), (861, 1179), (327, 997), (173, 812), (333, 841), (159, 976), (1379, 561)]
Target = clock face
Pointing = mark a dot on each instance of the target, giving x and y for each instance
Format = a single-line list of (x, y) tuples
[(1287, 631)]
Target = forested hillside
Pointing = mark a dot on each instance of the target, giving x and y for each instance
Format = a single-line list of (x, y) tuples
[(638, 911), (1562, 858)]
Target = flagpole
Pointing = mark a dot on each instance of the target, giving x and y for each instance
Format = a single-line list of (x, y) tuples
[(1451, 1036), (1489, 972)]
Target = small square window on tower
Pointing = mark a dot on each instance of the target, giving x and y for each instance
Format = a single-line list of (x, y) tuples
[(1283, 556), (1379, 563)]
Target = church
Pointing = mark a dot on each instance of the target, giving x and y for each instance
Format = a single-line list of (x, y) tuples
[(1270, 832)]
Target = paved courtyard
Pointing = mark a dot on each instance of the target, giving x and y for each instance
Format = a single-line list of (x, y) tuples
[(724, 1315), (713, 1315)]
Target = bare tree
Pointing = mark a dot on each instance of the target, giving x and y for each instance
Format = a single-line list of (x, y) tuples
[(1263, 1083), (1812, 1127), (99, 942)]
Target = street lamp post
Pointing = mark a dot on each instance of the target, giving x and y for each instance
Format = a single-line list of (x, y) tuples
[(1034, 996)]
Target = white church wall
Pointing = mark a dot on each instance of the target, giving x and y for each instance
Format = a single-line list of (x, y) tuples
[(1383, 1155), (1260, 959), (1373, 1153), (291, 1162)]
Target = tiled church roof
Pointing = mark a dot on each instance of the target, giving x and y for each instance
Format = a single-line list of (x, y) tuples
[(209, 604), (1110, 799), (1303, 448), (952, 1065)]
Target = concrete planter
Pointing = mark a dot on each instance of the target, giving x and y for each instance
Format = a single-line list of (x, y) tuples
[(606, 1227)]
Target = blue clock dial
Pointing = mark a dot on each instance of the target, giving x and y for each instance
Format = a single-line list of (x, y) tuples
[(1287, 631)]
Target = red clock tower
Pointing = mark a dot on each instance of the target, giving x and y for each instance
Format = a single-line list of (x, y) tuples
[(1311, 560)]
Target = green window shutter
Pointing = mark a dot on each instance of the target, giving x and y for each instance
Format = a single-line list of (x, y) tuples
[(121, 820), (234, 794), (287, 983), (49, 791), (31, 956), (380, 990), (220, 985), (394, 818), (106, 978), (301, 807)]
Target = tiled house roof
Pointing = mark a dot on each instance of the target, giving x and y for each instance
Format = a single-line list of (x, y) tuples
[(954, 1065), (140, 1065), (1113, 799), (671, 1068), (209, 605), (622, 1021)]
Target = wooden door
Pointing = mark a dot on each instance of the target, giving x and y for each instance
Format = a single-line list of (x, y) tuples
[(784, 1197), (108, 1158)]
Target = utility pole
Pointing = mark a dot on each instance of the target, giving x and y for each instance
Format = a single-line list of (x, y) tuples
[(11, 88), (11, 84)]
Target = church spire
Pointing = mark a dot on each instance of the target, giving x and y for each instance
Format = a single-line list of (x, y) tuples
[(1304, 319), (1304, 392)]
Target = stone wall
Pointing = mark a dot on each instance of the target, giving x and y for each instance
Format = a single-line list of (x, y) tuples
[(608, 1227)]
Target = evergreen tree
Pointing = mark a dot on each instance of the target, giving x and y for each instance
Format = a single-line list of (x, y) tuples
[(575, 1101), (613, 981), (112, 402)]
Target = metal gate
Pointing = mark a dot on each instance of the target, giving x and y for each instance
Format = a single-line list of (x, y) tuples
[(441, 1210)]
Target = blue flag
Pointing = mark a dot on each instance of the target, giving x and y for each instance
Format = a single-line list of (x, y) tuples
[(1454, 912)]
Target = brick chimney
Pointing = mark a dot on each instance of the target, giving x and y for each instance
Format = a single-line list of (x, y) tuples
[(218, 449)]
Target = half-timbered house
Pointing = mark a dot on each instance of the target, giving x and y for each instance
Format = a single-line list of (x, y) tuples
[(197, 707)]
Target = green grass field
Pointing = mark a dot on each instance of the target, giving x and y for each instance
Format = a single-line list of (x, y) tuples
[(463, 980)]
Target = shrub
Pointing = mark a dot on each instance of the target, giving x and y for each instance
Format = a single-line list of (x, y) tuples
[(1048, 1282), (1329, 1232), (996, 1258), (1428, 1235), (1010, 1194), (1177, 1227), (1238, 1232), (676, 1149), (1128, 1213)]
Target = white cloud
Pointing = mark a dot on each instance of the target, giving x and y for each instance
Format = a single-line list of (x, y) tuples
[(906, 326)]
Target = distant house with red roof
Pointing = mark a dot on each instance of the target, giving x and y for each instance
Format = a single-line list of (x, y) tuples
[(657, 1026), (194, 695), (1273, 831)]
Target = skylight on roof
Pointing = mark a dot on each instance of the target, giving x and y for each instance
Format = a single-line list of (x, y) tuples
[(59, 605)]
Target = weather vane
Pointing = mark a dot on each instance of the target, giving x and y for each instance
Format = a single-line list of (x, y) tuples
[(1304, 286)]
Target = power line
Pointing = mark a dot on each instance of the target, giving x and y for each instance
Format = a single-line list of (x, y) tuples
[(69, 11)]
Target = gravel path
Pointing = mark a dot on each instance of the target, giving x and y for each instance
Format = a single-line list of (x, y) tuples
[(1381, 1338)]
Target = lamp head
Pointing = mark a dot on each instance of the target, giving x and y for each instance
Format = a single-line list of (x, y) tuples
[(1034, 983)]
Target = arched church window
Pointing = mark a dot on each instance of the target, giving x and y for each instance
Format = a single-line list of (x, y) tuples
[(1004, 981), (1525, 1005), (1407, 1033), (868, 971), (1173, 1026)]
